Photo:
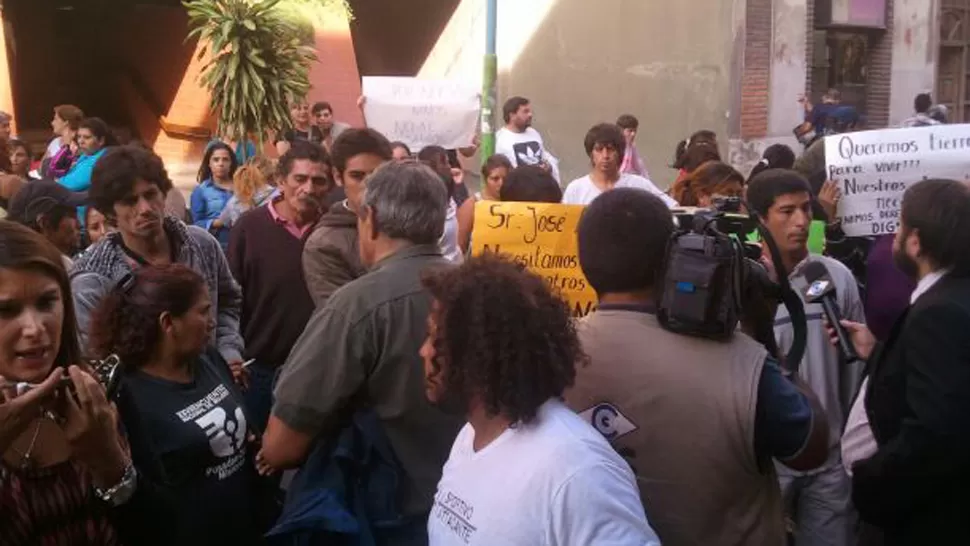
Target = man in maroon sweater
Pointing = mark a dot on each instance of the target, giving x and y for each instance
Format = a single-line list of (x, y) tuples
[(265, 250)]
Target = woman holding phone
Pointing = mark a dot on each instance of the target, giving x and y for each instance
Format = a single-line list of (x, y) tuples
[(64, 464)]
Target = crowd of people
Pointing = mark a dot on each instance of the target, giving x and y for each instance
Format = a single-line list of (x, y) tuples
[(310, 354)]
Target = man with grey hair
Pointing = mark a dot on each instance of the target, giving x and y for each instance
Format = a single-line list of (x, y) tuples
[(359, 352)]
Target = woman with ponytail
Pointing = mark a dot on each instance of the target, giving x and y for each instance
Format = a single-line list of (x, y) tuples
[(776, 156)]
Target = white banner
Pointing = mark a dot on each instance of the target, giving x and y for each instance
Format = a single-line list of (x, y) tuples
[(422, 112), (874, 168)]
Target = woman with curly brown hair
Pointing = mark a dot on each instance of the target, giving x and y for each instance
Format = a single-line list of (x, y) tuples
[(185, 420), (712, 180), (525, 470)]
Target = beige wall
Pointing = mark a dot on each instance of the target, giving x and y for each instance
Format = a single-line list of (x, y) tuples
[(671, 64)]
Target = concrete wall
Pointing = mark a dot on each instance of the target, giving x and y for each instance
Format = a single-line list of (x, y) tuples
[(580, 62), (915, 45)]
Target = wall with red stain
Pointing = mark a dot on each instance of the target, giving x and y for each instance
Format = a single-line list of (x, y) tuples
[(914, 54)]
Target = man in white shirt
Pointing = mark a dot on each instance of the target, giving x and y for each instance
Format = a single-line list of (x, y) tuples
[(605, 146), (525, 470), (519, 141)]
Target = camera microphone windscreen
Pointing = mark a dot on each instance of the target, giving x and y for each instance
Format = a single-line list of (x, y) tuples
[(821, 290)]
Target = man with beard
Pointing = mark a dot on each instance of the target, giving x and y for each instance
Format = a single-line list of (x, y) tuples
[(265, 249), (816, 500), (605, 145), (911, 481), (519, 141), (128, 186)]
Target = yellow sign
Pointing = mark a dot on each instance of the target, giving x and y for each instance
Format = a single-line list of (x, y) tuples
[(542, 236)]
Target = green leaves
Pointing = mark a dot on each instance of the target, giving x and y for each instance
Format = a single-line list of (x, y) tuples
[(260, 63)]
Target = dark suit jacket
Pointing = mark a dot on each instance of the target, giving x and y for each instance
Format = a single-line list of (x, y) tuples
[(917, 486)]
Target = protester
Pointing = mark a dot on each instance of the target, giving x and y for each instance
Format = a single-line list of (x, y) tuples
[(708, 183), (183, 417), (605, 147), (519, 141), (921, 105), (329, 128), (215, 187), (129, 186), (888, 288), (817, 501), (436, 157), (49, 209), (776, 156), (494, 171), (6, 122), (912, 482), (19, 159), (63, 465), (251, 190), (817, 114), (939, 112), (301, 129), (65, 124), (331, 257), (264, 256), (10, 184), (632, 162), (703, 138), (369, 334), (93, 139), (96, 226), (525, 470), (530, 184), (655, 395), (400, 151)]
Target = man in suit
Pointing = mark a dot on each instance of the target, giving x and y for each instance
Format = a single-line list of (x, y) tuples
[(915, 485)]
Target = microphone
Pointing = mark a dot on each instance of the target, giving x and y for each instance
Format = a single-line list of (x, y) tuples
[(821, 289)]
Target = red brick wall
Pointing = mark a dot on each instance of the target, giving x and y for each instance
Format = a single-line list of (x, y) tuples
[(756, 70)]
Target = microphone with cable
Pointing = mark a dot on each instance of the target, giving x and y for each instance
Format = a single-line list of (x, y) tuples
[(821, 289)]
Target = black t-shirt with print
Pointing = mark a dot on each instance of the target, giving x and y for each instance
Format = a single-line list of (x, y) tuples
[(196, 434)]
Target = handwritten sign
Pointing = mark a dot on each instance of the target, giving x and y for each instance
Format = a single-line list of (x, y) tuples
[(541, 236), (422, 112), (874, 168)]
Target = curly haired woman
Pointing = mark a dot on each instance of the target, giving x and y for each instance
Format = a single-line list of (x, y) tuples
[(525, 470)]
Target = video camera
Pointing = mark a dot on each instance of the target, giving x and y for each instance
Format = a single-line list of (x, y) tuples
[(715, 279)]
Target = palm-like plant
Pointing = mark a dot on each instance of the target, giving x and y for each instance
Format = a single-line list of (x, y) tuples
[(259, 64)]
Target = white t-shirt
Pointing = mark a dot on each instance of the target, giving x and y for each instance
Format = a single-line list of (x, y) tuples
[(525, 148), (582, 191), (449, 237), (555, 482)]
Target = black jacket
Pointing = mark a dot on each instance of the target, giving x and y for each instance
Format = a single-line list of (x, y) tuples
[(917, 486)]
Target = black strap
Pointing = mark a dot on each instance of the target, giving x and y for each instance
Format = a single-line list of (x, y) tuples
[(138, 258)]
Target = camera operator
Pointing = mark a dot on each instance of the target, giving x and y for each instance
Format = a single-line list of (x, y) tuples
[(817, 501), (699, 420)]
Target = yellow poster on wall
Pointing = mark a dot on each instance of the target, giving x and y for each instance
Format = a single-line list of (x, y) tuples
[(542, 236)]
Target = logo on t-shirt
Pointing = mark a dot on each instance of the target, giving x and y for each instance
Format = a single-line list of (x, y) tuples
[(454, 513), (607, 419), (225, 432), (527, 153)]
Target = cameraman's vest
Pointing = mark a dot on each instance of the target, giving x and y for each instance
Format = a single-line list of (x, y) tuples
[(681, 410)]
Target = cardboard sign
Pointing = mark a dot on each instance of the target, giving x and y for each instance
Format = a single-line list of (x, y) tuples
[(874, 168), (422, 112), (543, 237)]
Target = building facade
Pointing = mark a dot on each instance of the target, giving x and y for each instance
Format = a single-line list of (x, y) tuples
[(736, 67)]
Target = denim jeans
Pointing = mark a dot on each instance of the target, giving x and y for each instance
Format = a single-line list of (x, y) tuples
[(259, 396)]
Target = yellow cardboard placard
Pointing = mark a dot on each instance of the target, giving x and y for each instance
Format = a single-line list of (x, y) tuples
[(542, 236)]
